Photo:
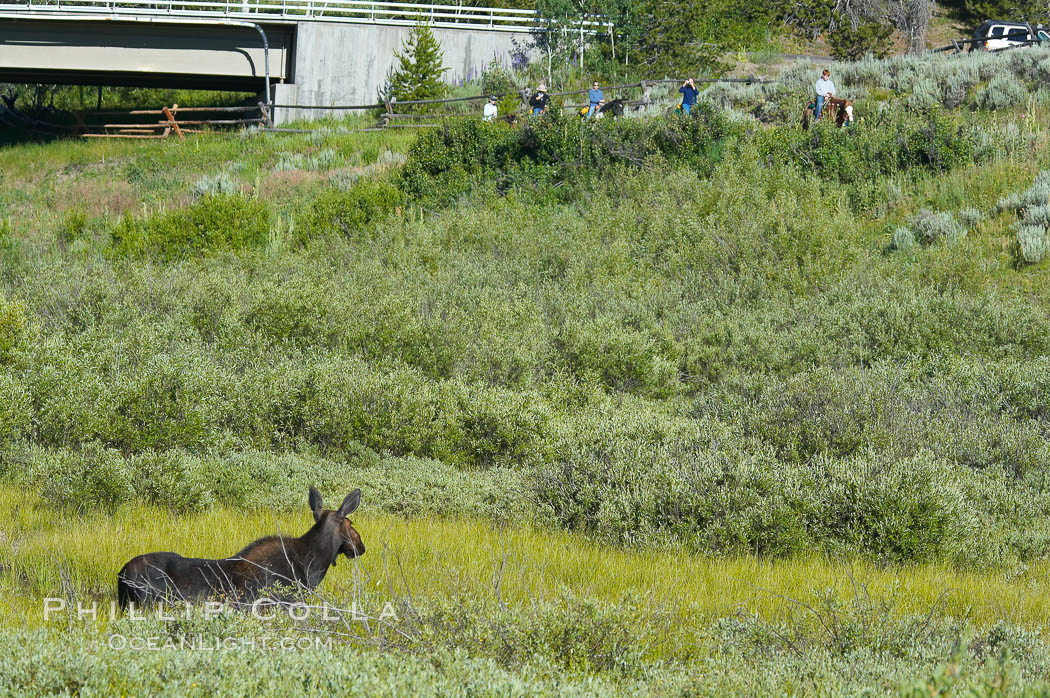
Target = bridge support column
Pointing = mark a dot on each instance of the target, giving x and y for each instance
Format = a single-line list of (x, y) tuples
[(341, 64)]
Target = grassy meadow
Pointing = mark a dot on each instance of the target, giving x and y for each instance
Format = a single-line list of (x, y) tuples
[(676, 406)]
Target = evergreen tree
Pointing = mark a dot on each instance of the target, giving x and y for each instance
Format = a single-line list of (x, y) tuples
[(420, 66)]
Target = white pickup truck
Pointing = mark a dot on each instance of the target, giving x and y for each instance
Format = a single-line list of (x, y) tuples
[(994, 35)]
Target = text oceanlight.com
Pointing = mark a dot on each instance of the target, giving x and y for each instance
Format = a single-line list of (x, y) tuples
[(205, 643)]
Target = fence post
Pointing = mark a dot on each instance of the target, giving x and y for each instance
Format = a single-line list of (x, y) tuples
[(266, 116), (171, 120)]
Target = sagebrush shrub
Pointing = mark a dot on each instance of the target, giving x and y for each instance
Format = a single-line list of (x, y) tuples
[(217, 184), (931, 227), (903, 238), (924, 95), (1003, 92), (969, 217), (320, 161), (1030, 244)]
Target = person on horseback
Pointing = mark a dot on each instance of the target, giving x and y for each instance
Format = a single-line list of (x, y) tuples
[(594, 97), (825, 89)]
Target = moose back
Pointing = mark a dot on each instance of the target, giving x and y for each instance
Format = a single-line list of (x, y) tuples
[(269, 561)]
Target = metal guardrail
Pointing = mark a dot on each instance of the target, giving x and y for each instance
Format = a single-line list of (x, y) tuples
[(353, 11)]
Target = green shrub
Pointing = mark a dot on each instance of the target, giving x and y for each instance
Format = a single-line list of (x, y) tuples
[(497, 80), (73, 226), (869, 153), (15, 409), (445, 163), (93, 477), (212, 224), (349, 212), (172, 480), (15, 328)]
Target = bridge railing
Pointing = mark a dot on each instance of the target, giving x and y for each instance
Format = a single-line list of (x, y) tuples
[(355, 11)]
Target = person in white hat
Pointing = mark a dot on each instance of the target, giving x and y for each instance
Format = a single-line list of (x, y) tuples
[(490, 111), (540, 100)]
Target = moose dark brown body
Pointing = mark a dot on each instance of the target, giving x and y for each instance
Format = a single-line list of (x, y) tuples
[(274, 560)]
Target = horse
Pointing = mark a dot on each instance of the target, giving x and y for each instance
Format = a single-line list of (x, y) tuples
[(301, 562), (613, 108), (842, 108)]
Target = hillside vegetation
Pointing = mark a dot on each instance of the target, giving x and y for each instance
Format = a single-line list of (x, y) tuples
[(717, 336)]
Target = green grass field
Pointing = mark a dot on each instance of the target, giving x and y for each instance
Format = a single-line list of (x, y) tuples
[(707, 406)]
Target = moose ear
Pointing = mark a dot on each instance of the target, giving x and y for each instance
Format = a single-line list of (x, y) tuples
[(350, 504), (316, 503)]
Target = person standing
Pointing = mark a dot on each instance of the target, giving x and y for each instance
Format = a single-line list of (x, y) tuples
[(825, 88), (594, 97), (689, 94), (540, 100), (490, 111)]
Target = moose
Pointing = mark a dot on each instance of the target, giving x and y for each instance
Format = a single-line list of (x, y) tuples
[(274, 560)]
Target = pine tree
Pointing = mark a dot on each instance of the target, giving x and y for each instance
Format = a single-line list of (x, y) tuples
[(419, 67)]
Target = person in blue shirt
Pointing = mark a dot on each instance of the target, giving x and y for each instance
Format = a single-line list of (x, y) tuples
[(689, 93), (594, 96)]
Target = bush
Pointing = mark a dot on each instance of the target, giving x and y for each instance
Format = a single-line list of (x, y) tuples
[(219, 184), (172, 480), (445, 163), (73, 226), (903, 238), (870, 153), (970, 217), (1030, 244), (348, 213), (497, 80), (931, 227), (14, 328), (323, 160), (733, 500), (1003, 92), (93, 477), (212, 224), (16, 409)]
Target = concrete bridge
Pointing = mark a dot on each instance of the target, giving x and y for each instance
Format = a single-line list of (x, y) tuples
[(319, 52)]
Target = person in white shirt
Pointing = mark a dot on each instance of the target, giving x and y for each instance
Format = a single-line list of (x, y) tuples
[(491, 110), (825, 88)]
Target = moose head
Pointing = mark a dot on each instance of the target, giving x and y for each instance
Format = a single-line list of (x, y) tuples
[(334, 526)]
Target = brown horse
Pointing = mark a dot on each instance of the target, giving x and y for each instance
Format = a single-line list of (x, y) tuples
[(300, 562), (841, 108)]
